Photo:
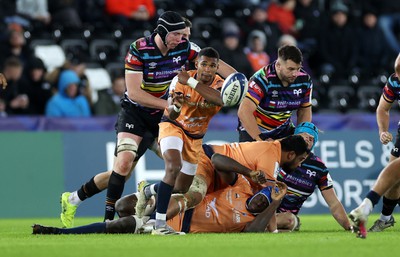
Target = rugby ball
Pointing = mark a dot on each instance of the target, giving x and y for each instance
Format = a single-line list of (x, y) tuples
[(234, 89)]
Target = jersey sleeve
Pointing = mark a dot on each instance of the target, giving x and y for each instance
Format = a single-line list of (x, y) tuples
[(133, 60), (391, 90)]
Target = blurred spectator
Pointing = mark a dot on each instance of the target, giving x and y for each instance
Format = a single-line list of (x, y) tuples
[(374, 56), (78, 64), (282, 12), (308, 22), (254, 51), (232, 52), (37, 88), (337, 47), (258, 21), (389, 21), (108, 102), (64, 13), (15, 96), (15, 46), (3, 112), (67, 102), (36, 11), (131, 14)]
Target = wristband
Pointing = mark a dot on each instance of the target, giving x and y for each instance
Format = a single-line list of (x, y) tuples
[(192, 82), (176, 109)]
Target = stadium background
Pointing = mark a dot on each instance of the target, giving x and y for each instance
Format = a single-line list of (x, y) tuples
[(43, 157)]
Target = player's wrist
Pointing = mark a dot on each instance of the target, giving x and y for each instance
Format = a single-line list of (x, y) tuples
[(177, 109), (192, 83)]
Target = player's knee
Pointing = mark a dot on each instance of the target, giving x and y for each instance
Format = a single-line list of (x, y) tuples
[(126, 153), (293, 222), (172, 168), (196, 192), (123, 225)]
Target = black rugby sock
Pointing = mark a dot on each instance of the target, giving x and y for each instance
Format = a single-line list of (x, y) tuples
[(114, 192)]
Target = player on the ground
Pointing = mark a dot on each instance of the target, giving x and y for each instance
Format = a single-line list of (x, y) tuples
[(301, 184), (391, 94), (255, 160), (213, 215)]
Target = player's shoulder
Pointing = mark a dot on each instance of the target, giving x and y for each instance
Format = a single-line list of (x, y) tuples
[(394, 81), (303, 77), (315, 163), (143, 43)]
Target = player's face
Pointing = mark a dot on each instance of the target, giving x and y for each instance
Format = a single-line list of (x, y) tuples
[(206, 69), (292, 164), (287, 70), (174, 38), (258, 204)]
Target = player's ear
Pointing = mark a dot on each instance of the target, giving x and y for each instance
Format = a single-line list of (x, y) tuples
[(291, 155)]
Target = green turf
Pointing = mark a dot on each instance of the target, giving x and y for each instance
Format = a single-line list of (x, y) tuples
[(319, 236)]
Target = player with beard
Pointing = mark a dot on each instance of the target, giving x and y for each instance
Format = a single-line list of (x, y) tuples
[(275, 91)]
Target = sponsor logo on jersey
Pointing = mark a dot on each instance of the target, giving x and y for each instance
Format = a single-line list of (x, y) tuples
[(311, 173), (297, 92), (152, 65), (275, 93), (129, 126), (176, 59)]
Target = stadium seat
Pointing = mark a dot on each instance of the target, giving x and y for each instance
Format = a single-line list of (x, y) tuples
[(103, 50), (51, 54), (205, 27), (368, 97), (74, 47), (115, 68), (124, 47), (98, 79), (342, 97)]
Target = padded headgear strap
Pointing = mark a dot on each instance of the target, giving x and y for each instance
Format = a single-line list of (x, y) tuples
[(168, 22)]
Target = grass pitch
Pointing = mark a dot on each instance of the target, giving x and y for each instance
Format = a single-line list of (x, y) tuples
[(320, 235)]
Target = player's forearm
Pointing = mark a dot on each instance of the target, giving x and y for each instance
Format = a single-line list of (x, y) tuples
[(211, 95), (340, 215), (260, 223), (224, 163), (382, 119), (145, 99), (304, 115)]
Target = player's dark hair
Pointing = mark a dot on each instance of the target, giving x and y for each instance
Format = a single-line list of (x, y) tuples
[(294, 143), (188, 23), (290, 52), (209, 52)]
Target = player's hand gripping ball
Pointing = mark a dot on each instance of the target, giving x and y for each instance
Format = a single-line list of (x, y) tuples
[(234, 89)]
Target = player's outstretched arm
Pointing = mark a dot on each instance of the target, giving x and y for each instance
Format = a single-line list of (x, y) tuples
[(336, 208), (228, 168)]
